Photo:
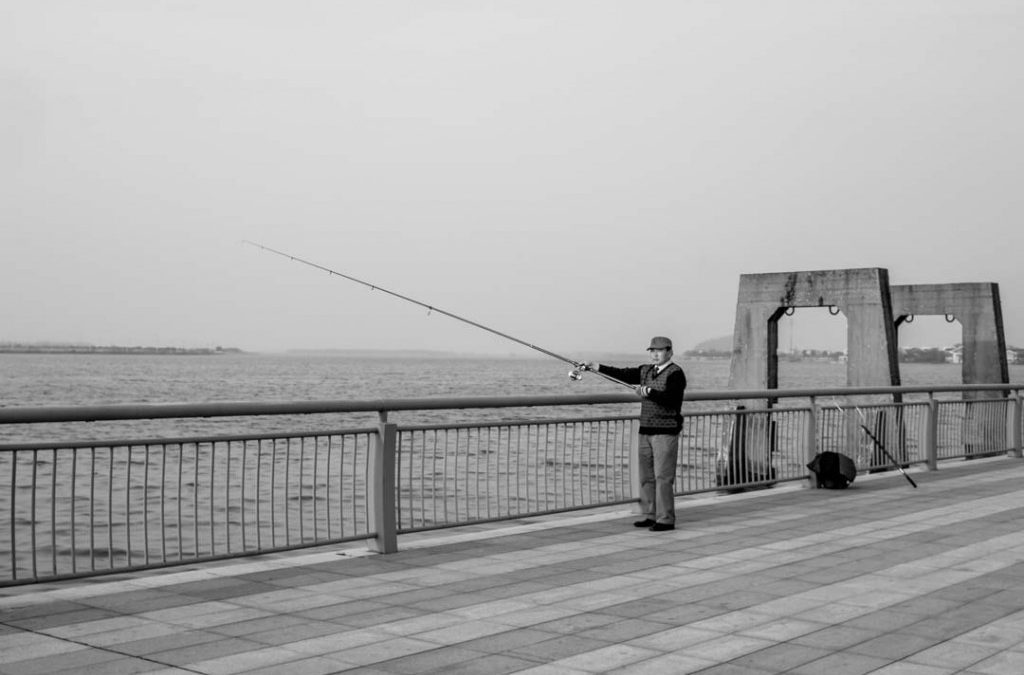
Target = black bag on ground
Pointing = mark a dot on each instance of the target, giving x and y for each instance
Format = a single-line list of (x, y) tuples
[(833, 470)]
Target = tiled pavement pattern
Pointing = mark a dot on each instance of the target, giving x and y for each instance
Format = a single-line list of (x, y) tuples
[(879, 578)]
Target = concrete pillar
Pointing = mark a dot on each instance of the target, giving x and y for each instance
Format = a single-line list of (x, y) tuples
[(861, 294), (978, 309)]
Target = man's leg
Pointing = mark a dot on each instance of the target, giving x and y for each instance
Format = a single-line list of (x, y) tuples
[(647, 477), (665, 450)]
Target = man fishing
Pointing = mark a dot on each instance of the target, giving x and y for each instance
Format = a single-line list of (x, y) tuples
[(660, 385)]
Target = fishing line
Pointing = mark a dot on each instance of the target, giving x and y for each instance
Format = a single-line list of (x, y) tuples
[(578, 366)]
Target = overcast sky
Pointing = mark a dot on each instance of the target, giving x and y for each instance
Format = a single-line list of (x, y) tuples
[(580, 174)]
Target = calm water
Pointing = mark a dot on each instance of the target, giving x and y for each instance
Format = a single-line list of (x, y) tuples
[(43, 380)]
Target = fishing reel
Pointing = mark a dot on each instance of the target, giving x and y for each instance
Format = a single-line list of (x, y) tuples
[(576, 373)]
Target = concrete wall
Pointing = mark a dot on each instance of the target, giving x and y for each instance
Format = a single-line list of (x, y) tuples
[(862, 295), (977, 307)]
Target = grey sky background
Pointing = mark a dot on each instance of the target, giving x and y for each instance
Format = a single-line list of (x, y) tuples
[(580, 174)]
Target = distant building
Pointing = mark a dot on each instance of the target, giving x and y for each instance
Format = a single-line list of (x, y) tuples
[(955, 354)]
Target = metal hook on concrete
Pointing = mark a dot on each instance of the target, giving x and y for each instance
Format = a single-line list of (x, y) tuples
[(833, 310), (909, 318), (789, 311), (950, 318)]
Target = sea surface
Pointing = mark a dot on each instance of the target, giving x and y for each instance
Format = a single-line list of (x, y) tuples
[(102, 379)]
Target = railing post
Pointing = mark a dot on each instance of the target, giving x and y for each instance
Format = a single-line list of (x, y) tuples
[(634, 463), (382, 488), (812, 441), (931, 435), (1018, 422)]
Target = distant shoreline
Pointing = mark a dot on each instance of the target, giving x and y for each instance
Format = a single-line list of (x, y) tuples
[(116, 349)]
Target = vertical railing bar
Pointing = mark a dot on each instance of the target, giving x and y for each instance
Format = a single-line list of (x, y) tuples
[(433, 476), (547, 445), (455, 477), (178, 498), (53, 510), (316, 488), (476, 471), (302, 492), (575, 465), (496, 481), (259, 494), (342, 489), (32, 514), (506, 508), (128, 507), (444, 469), (327, 491), (242, 505), (273, 493), (195, 502), (74, 507), (227, 495), (367, 477), (163, 502), (521, 468), (14, 532), (487, 465), (110, 507), (145, 506), (288, 492), (402, 506)]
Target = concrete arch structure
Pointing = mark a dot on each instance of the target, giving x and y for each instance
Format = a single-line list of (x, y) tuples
[(978, 309), (862, 295)]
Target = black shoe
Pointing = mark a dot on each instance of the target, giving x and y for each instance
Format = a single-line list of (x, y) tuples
[(646, 522), (661, 527)]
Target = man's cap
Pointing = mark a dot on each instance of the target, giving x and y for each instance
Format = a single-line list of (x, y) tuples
[(660, 343)]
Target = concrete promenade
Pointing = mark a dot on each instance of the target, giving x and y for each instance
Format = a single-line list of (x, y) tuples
[(880, 578)]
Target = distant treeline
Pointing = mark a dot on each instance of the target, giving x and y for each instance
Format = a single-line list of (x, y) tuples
[(32, 348)]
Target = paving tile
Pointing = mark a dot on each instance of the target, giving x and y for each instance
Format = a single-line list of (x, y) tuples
[(493, 664), (246, 661), (841, 663), (953, 654), (607, 658), (557, 648), (46, 665), (379, 652), (782, 657), (1001, 663), (439, 659), (725, 648), (665, 664), (208, 650)]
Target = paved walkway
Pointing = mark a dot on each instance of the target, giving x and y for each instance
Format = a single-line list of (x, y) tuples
[(880, 578)]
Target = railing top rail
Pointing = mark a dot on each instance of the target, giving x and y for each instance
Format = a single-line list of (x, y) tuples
[(93, 413)]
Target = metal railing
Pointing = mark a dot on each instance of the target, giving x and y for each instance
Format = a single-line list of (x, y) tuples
[(80, 508)]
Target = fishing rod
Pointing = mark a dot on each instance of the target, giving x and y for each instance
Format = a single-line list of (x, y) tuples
[(578, 366), (877, 442)]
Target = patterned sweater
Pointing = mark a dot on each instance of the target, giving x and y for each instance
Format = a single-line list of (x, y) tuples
[(659, 412)]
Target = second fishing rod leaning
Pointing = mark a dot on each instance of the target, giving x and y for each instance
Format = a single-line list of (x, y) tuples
[(874, 439), (578, 366)]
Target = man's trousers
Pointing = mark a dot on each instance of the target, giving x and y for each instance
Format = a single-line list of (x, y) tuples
[(658, 455)]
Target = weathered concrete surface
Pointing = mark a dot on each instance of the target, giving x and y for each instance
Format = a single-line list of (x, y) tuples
[(977, 307), (862, 295)]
